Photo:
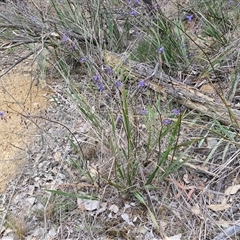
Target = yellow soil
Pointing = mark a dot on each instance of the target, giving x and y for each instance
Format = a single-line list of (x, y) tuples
[(18, 96)]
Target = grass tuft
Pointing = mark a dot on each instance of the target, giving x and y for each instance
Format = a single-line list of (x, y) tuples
[(141, 140)]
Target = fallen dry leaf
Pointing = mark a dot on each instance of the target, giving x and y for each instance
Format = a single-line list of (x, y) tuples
[(212, 142), (103, 208), (207, 88), (196, 209), (142, 229), (57, 156), (125, 217), (232, 189), (219, 207), (163, 225), (224, 224), (175, 237), (186, 178), (89, 205), (114, 208)]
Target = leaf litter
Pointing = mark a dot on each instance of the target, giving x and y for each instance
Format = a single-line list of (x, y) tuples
[(45, 170)]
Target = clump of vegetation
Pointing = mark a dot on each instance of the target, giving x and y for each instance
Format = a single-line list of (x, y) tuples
[(157, 148), (18, 225)]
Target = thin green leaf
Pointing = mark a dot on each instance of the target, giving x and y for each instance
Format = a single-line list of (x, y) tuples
[(71, 195)]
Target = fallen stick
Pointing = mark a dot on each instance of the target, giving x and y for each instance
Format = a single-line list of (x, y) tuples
[(232, 231), (186, 95)]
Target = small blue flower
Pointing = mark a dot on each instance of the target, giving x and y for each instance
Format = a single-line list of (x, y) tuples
[(137, 1), (133, 13), (99, 85), (119, 84), (143, 111), (96, 78), (160, 49), (141, 83), (119, 118), (176, 111), (167, 121), (64, 38), (157, 7), (109, 70), (33, 18), (83, 60), (189, 17), (1, 114)]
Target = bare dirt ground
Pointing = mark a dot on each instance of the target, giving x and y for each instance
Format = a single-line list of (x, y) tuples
[(29, 142), (19, 96), (36, 128)]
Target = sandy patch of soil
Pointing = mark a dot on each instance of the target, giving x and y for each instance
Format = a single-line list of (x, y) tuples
[(19, 96)]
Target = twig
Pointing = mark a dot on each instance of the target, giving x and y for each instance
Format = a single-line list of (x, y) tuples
[(200, 169), (229, 232), (189, 96), (16, 43), (20, 60), (154, 72)]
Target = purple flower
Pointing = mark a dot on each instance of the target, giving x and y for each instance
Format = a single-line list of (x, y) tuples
[(141, 83), (167, 121), (119, 84), (99, 85), (1, 114), (33, 18), (189, 17), (133, 13), (176, 111), (96, 78), (143, 111), (157, 7), (83, 60), (109, 70), (160, 49), (64, 38), (136, 1), (119, 119)]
